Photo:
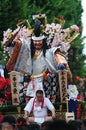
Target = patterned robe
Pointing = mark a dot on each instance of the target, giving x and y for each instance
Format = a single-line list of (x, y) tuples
[(20, 60)]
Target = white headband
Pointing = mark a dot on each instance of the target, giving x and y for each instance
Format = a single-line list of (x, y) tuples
[(38, 38)]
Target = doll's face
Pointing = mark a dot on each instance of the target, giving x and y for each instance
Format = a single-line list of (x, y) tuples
[(38, 44)]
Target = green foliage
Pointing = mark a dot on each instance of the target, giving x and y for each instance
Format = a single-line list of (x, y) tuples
[(10, 13), (77, 58)]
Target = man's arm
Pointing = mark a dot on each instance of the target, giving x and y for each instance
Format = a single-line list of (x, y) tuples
[(28, 108), (26, 114), (51, 108), (53, 114)]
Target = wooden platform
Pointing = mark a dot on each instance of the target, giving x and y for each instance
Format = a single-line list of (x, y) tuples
[(18, 110)]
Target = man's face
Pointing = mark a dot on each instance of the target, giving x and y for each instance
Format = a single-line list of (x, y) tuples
[(38, 44), (39, 97), (7, 126)]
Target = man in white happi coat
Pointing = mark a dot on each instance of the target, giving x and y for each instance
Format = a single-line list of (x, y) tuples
[(39, 105)]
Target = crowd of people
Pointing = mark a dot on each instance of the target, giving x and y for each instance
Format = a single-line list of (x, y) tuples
[(9, 122)]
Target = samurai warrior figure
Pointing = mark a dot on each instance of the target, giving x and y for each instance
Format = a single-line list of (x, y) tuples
[(39, 56)]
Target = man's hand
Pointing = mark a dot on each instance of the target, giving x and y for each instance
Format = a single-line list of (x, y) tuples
[(53, 114), (26, 117)]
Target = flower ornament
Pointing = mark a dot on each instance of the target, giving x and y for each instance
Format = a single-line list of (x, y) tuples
[(10, 36), (75, 27), (53, 99), (7, 35), (24, 33), (72, 91), (20, 123), (54, 32), (78, 78)]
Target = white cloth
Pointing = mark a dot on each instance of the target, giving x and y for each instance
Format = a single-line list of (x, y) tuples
[(38, 111), (39, 120), (2, 72), (39, 64), (34, 85)]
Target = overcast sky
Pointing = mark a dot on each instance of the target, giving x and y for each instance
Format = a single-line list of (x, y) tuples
[(84, 22)]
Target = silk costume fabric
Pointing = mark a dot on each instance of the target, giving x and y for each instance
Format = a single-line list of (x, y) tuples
[(22, 62)]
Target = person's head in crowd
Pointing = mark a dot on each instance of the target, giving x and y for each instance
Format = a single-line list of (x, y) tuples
[(34, 126), (74, 125), (45, 124), (55, 125), (8, 123), (21, 123), (83, 126)]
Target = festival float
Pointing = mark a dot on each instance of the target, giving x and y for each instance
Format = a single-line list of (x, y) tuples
[(45, 66)]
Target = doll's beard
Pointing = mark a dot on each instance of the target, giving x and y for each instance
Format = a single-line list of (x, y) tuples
[(38, 47)]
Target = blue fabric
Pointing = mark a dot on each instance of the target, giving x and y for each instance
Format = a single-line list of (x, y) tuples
[(61, 67), (72, 106)]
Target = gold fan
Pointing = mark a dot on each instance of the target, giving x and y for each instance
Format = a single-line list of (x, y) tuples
[(70, 35), (25, 23)]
